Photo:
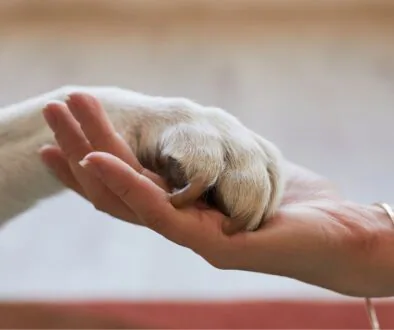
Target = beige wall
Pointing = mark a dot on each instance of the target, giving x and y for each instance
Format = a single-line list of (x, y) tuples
[(320, 86)]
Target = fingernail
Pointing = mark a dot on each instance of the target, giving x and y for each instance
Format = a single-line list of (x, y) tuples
[(50, 118), (68, 100), (72, 104), (85, 163), (95, 168), (44, 147)]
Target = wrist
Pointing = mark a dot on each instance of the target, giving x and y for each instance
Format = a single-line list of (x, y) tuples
[(365, 264), (379, 266)]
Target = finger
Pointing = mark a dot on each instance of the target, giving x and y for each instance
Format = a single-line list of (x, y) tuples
[(101, 133), (67, 132), (199, 230), (98, 129), (74, 145), (54, 158), (149, 202)]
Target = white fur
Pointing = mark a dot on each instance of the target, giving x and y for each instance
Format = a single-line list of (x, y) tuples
[(206, 142)]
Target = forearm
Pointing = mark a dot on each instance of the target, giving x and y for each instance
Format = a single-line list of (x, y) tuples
[(24, 179)]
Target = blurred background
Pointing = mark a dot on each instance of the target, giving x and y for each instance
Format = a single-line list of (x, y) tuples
[(315, 77)]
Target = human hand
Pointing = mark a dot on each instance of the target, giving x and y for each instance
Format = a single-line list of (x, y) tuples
[(316, 236)]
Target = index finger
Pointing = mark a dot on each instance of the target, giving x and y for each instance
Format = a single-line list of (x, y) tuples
[(101, 133), (197, 229), (148, 201)]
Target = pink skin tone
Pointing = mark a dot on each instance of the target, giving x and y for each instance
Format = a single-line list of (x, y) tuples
[(316, 236)]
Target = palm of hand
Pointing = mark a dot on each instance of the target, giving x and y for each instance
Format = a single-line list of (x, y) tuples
[(312, 227), (313, 231)]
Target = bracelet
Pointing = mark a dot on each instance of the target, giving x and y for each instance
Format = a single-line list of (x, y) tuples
[(387, 209), (373, 319)]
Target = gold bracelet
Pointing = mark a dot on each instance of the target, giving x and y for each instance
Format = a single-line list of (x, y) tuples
[(373, 319)]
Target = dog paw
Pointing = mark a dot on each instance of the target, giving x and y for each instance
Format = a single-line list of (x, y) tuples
[(206, 152)]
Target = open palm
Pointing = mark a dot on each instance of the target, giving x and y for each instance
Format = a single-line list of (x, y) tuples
[(314, 234)]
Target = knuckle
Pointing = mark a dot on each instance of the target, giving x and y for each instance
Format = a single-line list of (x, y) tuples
[(76, 150), (123, 191)]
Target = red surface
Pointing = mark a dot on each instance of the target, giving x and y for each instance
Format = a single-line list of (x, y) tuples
[(234, 315)]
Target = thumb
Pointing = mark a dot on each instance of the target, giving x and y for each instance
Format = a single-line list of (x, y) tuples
[(149, 202)]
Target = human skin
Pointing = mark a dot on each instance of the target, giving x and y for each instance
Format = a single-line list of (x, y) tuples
[(316, 236)]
